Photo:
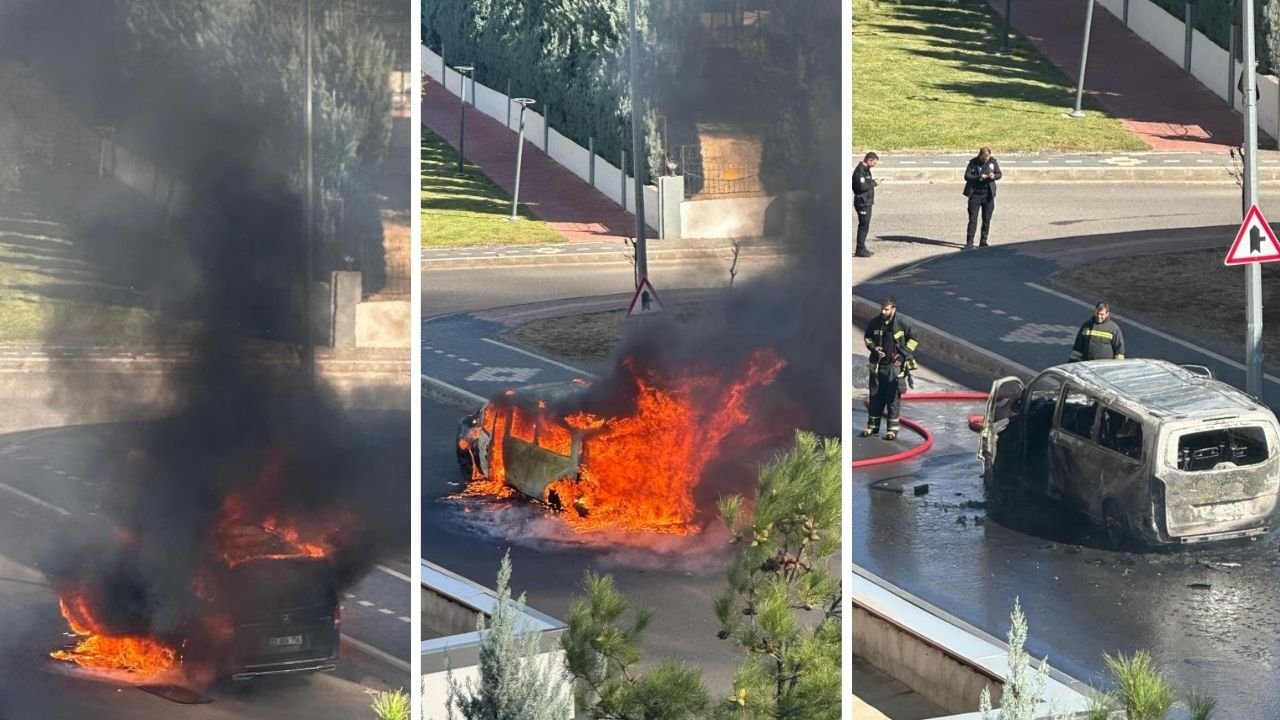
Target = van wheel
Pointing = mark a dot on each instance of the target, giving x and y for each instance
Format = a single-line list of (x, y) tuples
[(1115, 524)]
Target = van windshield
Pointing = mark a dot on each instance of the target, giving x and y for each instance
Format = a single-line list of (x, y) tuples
[(1239, 446), (271, 585)]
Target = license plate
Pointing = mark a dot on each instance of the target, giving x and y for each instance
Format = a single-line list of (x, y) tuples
[(286, 641)]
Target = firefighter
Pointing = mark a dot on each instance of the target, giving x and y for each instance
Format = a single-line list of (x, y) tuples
[(1099, 338), (892, 343)]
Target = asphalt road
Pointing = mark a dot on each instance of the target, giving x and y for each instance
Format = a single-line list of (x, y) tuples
[(451, 291), (48, 478), (913, 220), (677, 578), (1211, 616)]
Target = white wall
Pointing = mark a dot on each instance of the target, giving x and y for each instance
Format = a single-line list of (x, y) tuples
[(1209, 63), (567, 153), (724, 218)]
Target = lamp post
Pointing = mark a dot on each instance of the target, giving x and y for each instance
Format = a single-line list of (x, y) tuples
[(637, 155), (1084, 58), (465, 72), (515, 196), (1008, 8), (309, 347), (1253, 271)]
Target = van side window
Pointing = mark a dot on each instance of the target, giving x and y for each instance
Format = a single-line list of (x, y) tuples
[(1120, 433), (1078, 411)]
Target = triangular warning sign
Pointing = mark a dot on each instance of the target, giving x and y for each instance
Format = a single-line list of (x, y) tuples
[(1255, 243), (645, 301)]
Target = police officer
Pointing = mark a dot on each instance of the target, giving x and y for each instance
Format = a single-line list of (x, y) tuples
[(864, 196), (980, 177), (1099, 338), (892, 343)]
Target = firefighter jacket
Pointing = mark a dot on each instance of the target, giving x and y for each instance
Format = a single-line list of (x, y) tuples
[(897, 338), (1098, 341), (864, 187)]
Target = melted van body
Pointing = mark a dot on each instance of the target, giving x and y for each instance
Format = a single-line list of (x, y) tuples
[(1152, 452)]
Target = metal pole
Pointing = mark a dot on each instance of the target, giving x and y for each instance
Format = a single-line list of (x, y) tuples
[(637, 141), (463, 70), (309, 348), (1084, 59), (1253, 272), (1186, 42), (591, 166), (1231, 68), (515, 197), (1008, 8)]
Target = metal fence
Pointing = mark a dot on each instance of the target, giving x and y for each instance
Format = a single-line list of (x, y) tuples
[(714, 178)]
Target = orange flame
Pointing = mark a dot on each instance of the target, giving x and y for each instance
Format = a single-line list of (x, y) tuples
[(241, 539), (637, 472), (143, 656)]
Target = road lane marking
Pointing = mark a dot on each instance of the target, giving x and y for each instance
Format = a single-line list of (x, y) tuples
[(375, 652), (404, 619), (394, 573), (548, 360), (385, 611), (36, 500), (1153, 331), (365, 603)]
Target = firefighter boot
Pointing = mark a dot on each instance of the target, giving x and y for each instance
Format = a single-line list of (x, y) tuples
[(872, 428)]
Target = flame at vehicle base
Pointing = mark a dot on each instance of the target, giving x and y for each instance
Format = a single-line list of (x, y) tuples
[(99, 650), (638, 472)]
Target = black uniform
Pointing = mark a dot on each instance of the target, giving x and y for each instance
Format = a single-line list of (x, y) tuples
[(864, 196), (981, 194), (1098, 341), (884, 385)]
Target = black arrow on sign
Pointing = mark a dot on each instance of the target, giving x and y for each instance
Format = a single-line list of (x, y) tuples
[(1255, 240)]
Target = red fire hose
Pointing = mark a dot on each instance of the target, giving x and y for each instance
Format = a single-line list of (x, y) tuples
[(920, 429)]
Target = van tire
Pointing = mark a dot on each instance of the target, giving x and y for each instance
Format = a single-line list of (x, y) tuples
[(1115, 524)]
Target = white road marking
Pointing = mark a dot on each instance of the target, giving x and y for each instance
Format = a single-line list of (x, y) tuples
[(512, 348), (402, 618), (364, 603), (385, 611), (35, 500), (375, 652), (1153, 331), (394, 573), (453, 388)]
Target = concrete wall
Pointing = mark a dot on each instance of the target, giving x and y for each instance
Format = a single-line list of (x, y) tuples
[(383, 323), (936, 675), (1209, 63), (727, 218), (435, 686)]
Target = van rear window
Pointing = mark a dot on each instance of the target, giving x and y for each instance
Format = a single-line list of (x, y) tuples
[(1233, 446)]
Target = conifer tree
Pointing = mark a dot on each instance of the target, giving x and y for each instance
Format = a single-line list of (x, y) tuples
[(782, 606)]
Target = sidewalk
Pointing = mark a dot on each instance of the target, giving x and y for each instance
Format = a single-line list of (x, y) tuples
[(567, 203), (1211, 165), (597, 252), (1165, 106)]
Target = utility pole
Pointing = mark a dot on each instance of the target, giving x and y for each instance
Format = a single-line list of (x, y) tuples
[(637, 155), (309, 346), (1253, 271)]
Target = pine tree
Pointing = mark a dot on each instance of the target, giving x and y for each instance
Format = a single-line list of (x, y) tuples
[(602, 656), (782, 605), (514, 683)]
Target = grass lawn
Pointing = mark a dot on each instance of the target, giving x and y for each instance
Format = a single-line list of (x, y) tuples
[(589, 338), (49, 294), (927, 77), (1210, 305), (468, 209)]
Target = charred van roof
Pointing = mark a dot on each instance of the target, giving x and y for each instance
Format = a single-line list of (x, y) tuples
[(1160, 386)]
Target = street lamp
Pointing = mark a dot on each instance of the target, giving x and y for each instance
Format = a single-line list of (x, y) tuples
[(309, 348), (515, 196), (465, 72), (1008, 8), (637, 139), (1084, 58)]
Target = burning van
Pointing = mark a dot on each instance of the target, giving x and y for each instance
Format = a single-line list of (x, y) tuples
[(1154, 453), (535, 448), (628, 462)]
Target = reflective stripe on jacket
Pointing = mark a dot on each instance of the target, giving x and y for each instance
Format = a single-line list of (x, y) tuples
[(1098, 341)]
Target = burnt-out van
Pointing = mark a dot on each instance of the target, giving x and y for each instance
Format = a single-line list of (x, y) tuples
[(1154, 453)]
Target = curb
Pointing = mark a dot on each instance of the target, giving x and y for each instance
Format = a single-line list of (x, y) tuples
[(617, 257), (443, 392), (957, 351), (1216, 174)]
